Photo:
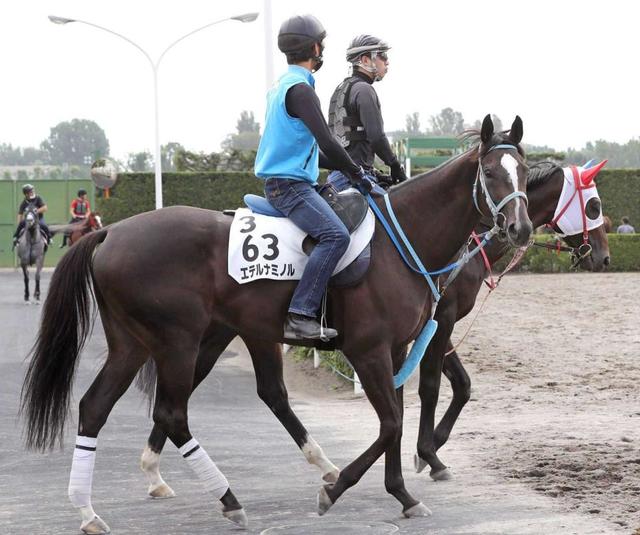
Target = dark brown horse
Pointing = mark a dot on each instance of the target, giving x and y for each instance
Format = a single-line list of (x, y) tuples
[(182, 309), (544, 186), (90, 224)]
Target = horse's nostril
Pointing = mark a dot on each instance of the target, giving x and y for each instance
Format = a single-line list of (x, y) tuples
[(607, 260)]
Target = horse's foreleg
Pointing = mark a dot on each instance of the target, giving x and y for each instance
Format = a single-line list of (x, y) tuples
[(176, 369), (25, 276), (393, 480), (375, 371), (461, 384), (267, 363), (210, 350), (430, 374), (39, 264)]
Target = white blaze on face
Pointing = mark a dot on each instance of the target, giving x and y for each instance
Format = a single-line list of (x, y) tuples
[(510, 165)]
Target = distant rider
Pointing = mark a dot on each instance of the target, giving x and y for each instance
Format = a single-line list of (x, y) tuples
[(30, 198), (80, 210)]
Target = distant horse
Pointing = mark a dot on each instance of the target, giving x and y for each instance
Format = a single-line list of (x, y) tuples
[(544, 188), (75, 231), (90, 224), (173, 301), (31, 249)]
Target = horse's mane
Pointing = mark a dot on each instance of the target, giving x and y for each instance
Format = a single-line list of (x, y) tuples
[(540, 172)]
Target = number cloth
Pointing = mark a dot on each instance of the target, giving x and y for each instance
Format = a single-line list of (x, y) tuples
[(263, 247)]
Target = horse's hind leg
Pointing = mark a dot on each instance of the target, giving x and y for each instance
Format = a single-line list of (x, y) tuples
[(124, 359), (176, 368), (210, 350), (267, 363)]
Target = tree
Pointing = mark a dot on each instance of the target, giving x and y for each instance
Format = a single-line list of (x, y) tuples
[(247, 136), (196, 161), (139, 162), (412, 124), (169, 153), (72, 141), (447, 123)]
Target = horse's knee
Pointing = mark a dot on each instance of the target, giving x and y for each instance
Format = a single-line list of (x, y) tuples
[(462, 389), (391, 430)]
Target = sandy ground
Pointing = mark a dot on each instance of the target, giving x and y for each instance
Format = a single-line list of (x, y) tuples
[(555, 367)]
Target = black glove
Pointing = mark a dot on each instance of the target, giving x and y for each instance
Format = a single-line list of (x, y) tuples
[(360, 181), (397, 173)]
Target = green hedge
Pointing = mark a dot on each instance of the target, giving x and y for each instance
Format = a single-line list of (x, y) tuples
[(620, 193), (624, 249), (134, 192)]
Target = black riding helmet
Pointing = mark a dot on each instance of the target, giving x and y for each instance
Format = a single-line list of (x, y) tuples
[(364, 44), (27, 188), (299, 33), (82, 192)]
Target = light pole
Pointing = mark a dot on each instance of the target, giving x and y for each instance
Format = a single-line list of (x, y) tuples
[(247, 17)]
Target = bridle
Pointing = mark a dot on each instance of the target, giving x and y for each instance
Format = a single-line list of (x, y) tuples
[(495, 209), (583, 250)]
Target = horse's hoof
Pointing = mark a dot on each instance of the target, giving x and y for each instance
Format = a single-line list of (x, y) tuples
[(419, 463), (418, 510), (161, 491), (441, 475), (95, 526), (324, 502), (331, 477), (237, 516), (27, 302)]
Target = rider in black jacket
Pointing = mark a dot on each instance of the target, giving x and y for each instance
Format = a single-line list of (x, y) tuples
[(355, 116)]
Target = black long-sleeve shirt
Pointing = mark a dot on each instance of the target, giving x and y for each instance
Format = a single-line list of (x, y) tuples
[(302, 102), (364, 101)]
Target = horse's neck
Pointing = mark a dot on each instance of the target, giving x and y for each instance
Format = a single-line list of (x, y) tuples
[(542, 198), (437, 211)]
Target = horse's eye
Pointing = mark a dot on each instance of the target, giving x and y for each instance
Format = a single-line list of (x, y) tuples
[(593, 208), (487, 172)]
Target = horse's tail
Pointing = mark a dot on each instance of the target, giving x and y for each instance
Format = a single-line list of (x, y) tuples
[(146, 381), (64, 327)]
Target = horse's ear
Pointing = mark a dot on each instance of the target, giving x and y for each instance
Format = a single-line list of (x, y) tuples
[(486, 132), (515, 135), (588, 175)]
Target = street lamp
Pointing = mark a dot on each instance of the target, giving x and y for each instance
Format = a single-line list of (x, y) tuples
[(246, 17)]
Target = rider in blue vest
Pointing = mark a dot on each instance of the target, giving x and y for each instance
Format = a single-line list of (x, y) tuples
[(355, 116), (295, 142)]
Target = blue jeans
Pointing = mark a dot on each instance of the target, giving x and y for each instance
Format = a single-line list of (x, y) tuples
[(301, 203), (340, 182)]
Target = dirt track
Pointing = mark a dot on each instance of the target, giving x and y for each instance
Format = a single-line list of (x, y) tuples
[(555, 367)]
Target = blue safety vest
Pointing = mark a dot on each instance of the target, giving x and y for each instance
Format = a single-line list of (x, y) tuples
[(287, 148)]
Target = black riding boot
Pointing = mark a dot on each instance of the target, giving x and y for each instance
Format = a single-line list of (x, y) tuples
[(299, 327)]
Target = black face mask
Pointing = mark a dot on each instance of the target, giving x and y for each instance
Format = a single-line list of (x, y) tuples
[(318, 59)]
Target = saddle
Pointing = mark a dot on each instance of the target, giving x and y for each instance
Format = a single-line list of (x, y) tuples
[(349, 205), (351, 208)]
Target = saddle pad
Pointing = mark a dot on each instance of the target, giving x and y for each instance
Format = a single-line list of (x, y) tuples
[(263, 247)]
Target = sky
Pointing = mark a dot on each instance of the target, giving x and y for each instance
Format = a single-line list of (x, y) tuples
[(569, 68)]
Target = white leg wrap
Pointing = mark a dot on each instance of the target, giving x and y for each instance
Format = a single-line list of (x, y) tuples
[(84, 458), (200, 462)]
